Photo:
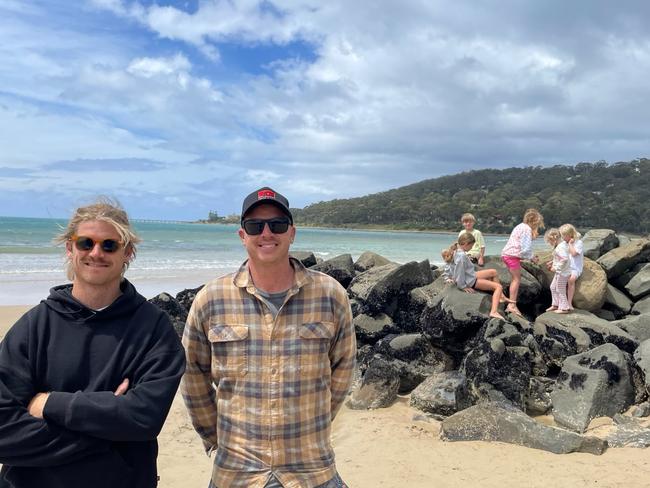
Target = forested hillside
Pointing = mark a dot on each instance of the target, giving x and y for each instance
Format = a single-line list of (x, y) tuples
[(588, 195)]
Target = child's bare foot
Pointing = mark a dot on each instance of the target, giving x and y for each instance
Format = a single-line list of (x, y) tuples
[(551, 308), (559, 310), (512, 308), (497, 315), (505, 299)]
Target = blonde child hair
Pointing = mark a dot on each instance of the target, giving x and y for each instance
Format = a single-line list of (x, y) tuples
[(570, 231), (468, 217), (464, 238), (534, 219), (552, 236)]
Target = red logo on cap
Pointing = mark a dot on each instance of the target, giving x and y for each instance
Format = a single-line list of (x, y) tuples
[(265, 194)]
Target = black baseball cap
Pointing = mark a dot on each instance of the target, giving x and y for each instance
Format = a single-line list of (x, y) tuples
[(266, 195)]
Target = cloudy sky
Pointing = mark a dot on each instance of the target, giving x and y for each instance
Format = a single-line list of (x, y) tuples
[(181, 107)]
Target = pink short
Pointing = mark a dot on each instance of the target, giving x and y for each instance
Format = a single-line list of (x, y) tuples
[(512, 262)]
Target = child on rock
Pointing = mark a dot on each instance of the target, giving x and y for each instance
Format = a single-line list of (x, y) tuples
[(477, 252), (460, 270), (518, 247), (560, 266), (576, 261)]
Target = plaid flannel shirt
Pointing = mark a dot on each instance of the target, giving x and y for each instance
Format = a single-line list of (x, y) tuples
[(262, 392)]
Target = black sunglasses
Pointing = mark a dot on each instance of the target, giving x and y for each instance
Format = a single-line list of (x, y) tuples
[(84, 243), (255, 227)]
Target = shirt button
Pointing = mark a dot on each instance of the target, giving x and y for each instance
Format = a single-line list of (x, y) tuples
[(274, 371)]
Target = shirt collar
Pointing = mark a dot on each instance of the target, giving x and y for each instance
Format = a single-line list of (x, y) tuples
[(242, 278)]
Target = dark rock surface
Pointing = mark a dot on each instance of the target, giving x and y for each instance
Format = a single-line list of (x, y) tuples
[(369, 260), (442, 394), (378, 388), (642, 306), (341, 268), (617, 302), (597, 242), (370, 329), (380, 288), (187, 296), (494, 422), (592, 384), (639, 284), (172, 307), (307, 258), (619, 260), (637, 326)]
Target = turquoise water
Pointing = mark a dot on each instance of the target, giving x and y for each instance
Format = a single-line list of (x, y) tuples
[(175, 256)]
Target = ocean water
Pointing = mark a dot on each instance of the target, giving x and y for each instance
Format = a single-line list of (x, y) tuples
[(175, 256)]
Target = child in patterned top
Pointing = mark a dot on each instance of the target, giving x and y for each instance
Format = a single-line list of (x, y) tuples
[(559, 266), (460, 270), (518, 247)]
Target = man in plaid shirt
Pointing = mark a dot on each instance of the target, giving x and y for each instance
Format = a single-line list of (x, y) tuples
[(270, 354)]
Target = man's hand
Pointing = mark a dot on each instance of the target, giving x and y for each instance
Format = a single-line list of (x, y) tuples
[(121, 390), (37, 404)]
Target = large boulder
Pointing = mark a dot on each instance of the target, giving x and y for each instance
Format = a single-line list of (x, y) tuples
[(175, 311), (380, 288), (370, 329), (307, 258), (494, 422), (619, 260), (638, 326), (563, 335), (187, 296), (593, 384), (341, 268), (591, 287), (442, 393), (502, 360), (538, 400), (639, 284), (414, 359), (642, 359), (378, 388), (369, 260), (642, 306), (597, 242), (452, 317), (529, 287), (617, 302)]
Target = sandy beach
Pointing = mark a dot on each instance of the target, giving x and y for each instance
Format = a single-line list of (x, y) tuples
[(394, 447)]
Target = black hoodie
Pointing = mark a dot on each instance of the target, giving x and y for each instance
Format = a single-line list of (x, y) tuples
[(89, 437)]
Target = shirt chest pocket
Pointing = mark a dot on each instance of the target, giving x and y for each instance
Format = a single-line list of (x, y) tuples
[(230, 346), (315, 341)]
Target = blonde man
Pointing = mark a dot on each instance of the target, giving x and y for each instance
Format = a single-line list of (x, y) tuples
[(87, 376), (477, 253)]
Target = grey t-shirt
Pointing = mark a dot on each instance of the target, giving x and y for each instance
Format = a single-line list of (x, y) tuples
[(273, 300)]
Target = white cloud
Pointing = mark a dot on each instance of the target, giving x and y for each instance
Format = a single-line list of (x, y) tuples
[(389, 95)]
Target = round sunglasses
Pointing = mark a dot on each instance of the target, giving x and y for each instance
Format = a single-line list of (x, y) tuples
[(84, 243), (255, 227)]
